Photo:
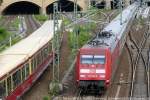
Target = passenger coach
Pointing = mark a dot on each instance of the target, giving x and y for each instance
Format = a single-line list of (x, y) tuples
[(23, 63)]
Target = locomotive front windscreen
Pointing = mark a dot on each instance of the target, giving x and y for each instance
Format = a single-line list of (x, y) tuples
[(92, 59)]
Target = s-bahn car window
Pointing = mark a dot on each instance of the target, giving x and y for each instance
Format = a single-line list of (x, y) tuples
[(16, 78), (27, 69), (98, 59), (86, 59), (23, 73), (2, 89), (32, 64), (9, 83)]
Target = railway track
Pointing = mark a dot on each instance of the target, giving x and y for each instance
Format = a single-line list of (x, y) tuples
[(139, 82), (148, 72), (130, 53), (80, 96), (139, 62), (77, 95), (5, 22), (32, 24)]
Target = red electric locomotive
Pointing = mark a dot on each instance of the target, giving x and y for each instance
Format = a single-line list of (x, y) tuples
[(96, 60)]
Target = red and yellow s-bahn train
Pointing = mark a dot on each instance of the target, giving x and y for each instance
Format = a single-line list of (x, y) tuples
[(96, 60), (23, 63)]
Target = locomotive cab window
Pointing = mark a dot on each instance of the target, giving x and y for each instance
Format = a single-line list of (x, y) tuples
[(86, 59), (93, 59), (98, 59)]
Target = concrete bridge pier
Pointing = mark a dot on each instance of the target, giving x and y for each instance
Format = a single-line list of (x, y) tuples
[(43, 10), (108, 4), (127, 2)]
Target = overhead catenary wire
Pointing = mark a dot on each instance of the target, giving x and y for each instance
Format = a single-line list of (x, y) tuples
[(56, 45), (75, 33)]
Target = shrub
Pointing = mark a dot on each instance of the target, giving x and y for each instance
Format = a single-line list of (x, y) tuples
[(3, 34), (41, 18)]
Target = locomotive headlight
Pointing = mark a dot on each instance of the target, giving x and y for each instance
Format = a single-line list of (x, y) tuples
[(100, 71), (84, 70), (82, 75), (102, 76), (107, 81)]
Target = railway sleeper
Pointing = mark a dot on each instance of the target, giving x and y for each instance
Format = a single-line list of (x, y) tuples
[(96, 87), (123, 82)]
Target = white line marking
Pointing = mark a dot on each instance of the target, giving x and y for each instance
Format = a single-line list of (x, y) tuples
[(121, 75), (117, 94), (119, 87)]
